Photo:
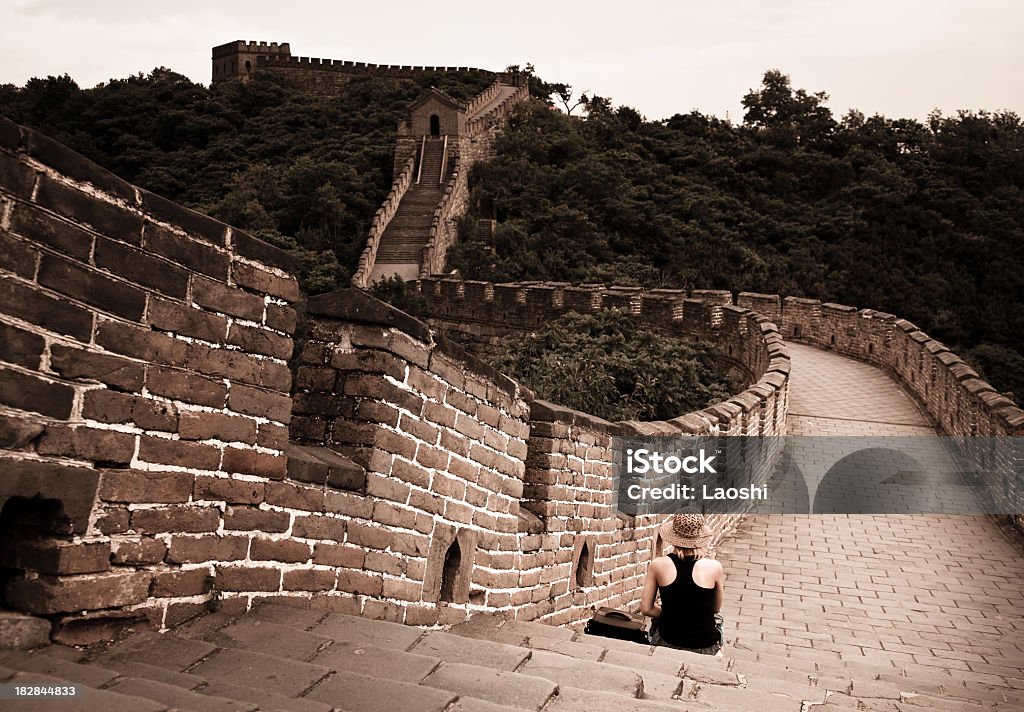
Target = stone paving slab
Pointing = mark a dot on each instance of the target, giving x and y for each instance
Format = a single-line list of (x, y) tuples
[(870, 595), (283, 640), (162, 650), (497, 686), (177, 697), (377, 662), (90, 675), (294, 616), (89, 699), (265, 672), (574, 699), (358, 693), (264, 699), (454, 649), (574, 672), (361, 631)]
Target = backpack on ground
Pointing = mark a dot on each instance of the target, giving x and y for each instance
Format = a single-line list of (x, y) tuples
[(622, 625)]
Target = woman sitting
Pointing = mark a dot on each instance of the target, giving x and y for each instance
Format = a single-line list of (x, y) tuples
[(690, 587)]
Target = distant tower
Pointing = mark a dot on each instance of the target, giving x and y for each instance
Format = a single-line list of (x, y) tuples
[(237, 60)]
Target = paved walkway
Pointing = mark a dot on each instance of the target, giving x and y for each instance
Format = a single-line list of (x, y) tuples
[(945, 592)]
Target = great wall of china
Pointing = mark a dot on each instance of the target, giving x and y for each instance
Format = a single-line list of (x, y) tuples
[(159, 461)]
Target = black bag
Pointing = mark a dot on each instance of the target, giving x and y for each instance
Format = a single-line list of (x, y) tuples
[(623, 625)]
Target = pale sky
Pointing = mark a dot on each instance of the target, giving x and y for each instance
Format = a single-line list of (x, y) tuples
[(901, 58)]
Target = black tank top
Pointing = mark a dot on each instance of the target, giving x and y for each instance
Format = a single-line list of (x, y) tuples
[(687, 610)]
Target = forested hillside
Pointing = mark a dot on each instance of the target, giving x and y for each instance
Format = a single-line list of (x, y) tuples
[(306, 174), (922, 219)]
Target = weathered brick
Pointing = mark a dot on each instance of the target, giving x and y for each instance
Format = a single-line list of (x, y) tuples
[(428, 384), (384, 563), (259, 251), (224, 489), (260, 280), (193, 582), (285, 494), (17, 256), (141, 268), (197, 256), (309, 580), (350, 505), (67, 594), (176, 518), (113, 407), (42, 310), (328, 554), (227, 300), (16, 178), (181, 453), (55, 556), (137, 486), (17, 432), (82, 207), (202, 425), (251, 462), (20, 347), (255, 339), (27, 392), (186, 386), (254, 519), (359, 582), (117, 372), (276, 375), (113, 520), (203, 226), (261, 403), (91, 287), (272, 435), (281, 318), (138, 552), (74, 165), (410, 472), (85, 443), (179, 318), (369, 361), (247, 578), (141, 343), (287, 551), (395, 443), (371, 386), (233, 365), (368, 536), (35, 225), (319, 527), (198, 549)]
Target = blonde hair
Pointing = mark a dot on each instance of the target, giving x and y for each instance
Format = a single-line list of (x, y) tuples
[(688, 553)]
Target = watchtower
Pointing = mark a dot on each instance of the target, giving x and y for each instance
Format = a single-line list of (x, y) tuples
[(237, 60)]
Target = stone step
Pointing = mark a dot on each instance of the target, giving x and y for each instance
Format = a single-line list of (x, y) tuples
[(360, 693), (259, 636), (576, 699), (177, 697), (483, 653), (261, 671), (88, 699), (374, 661), (491, 685)]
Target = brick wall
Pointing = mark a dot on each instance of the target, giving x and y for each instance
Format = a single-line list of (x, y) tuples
[(454, 452), (950, 391), (144, 390)]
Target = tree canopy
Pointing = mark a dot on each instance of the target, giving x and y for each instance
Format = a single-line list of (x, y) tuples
[(922, 219)]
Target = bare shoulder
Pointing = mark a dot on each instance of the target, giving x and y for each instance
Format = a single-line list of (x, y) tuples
[(662, 563), (712, 566)]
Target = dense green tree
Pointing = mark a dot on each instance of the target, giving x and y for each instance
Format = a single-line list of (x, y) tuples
[(609, 365)]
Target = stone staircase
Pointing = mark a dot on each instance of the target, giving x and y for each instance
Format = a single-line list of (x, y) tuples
[(280, 657), (403, 240)]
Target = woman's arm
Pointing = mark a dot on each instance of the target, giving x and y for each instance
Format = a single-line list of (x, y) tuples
[(647, 604), (719, 590)]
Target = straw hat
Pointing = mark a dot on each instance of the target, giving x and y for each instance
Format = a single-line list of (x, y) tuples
[(686, 530)]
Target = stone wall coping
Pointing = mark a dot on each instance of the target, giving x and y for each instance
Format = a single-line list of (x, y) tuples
[(355, 305), (70, 163)]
